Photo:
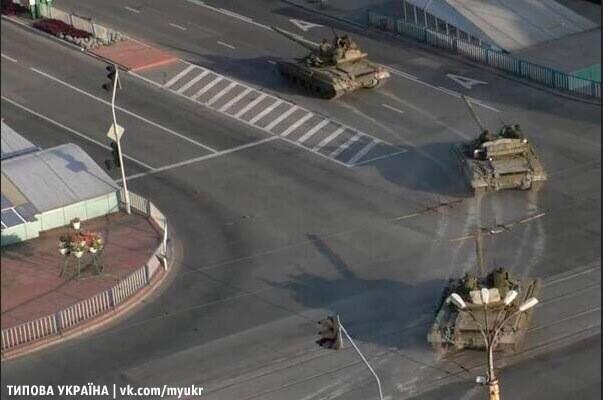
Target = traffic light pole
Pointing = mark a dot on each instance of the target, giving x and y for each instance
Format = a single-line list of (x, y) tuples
[(363, 359), (117, 140)]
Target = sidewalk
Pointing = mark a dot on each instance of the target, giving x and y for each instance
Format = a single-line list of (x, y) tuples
[(31, 286)]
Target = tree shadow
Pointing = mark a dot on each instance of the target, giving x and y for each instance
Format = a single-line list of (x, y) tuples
[(381, 311)]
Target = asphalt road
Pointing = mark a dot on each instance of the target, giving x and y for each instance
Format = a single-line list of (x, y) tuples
[(274, 238)]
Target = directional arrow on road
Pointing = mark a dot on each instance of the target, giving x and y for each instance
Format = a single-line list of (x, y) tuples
[(464, 81), (304, 25)]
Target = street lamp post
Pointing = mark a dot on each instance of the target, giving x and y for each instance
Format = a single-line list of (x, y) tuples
[(491, 335), (115, 79)]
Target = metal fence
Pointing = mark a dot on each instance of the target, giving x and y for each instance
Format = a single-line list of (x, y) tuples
[(494, 58), (101, 303)]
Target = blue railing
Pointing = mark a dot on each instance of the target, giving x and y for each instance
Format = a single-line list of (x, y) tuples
[(494, 58)]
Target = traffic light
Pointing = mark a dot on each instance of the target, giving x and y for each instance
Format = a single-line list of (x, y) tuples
[(115, 153), (111, 75), (330, 336)]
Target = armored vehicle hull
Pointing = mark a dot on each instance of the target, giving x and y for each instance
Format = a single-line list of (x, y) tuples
[(331, 69), (521, 170), (330, 82), (454, 330), (502, 161)]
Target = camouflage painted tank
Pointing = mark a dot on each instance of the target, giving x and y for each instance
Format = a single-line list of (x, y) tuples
[(455, 330), (332, 68), (499, 161)]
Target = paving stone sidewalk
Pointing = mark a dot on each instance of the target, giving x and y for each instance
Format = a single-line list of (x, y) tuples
[(31, 285)]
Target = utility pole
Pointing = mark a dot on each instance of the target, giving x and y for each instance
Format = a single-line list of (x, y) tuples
[(113, 75), (331, 338)]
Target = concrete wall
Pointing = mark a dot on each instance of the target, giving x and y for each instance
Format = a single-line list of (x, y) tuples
[(84, 210)]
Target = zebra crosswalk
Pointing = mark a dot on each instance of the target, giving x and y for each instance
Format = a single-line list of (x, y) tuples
[(307, 129)]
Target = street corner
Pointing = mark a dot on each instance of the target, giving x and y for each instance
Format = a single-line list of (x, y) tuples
[(134, 55)]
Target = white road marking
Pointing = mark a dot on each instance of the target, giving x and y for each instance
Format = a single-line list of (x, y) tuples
[(225, 44), (8, 58), (207, 87), (193, 81), (388, 155), (465, 81), (272, 62), (312, 131), (148, 121), (449, 91), (266, 111), (345, 145), (364, 151), (229, 13), (250, 106), (227, 89), (281, 118), (132, 9), (329, 138), (202, 158), (439, 88), (393, 108), (304, 25), (234, 100), (179, 76), (235, 15), (297, 124), (178, 26), (81, 135)]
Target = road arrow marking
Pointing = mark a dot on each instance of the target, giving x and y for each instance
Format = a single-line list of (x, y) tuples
[(464, 81), (304, 25)]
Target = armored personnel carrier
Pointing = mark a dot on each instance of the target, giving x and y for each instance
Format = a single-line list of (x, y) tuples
[(455, 330), (331, 68), (505, 160)]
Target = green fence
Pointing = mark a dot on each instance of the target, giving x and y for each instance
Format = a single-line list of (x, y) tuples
[(494, 58)]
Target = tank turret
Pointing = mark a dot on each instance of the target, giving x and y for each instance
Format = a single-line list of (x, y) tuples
[(332, 68), (505, 160)]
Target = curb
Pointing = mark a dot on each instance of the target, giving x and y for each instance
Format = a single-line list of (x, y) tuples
[(105, 319), (445, 54)]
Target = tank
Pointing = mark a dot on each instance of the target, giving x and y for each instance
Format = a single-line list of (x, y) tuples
[(454, 330), (331, 69), (506, 160)]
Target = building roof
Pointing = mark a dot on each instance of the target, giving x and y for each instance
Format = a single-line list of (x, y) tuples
[(508, 24), (14, 144), (57, 177)]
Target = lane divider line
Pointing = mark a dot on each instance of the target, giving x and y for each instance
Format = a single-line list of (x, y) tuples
[(132, 9), (203, 158), (8, 58), (148, 121), (79, 134), (177, 26)]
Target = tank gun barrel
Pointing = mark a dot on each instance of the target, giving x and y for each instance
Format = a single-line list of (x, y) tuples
[(301, 41), (474, 114)]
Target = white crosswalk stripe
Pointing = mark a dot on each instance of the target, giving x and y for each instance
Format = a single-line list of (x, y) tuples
[(312, 131), (227, 89), (281, 118), (250, 106), (362, 152), (329, 138), (240, 101), (297, 124), (345, 145), (265, 112), (193, 81), (207, 87), (179, 76), (234, 100)]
